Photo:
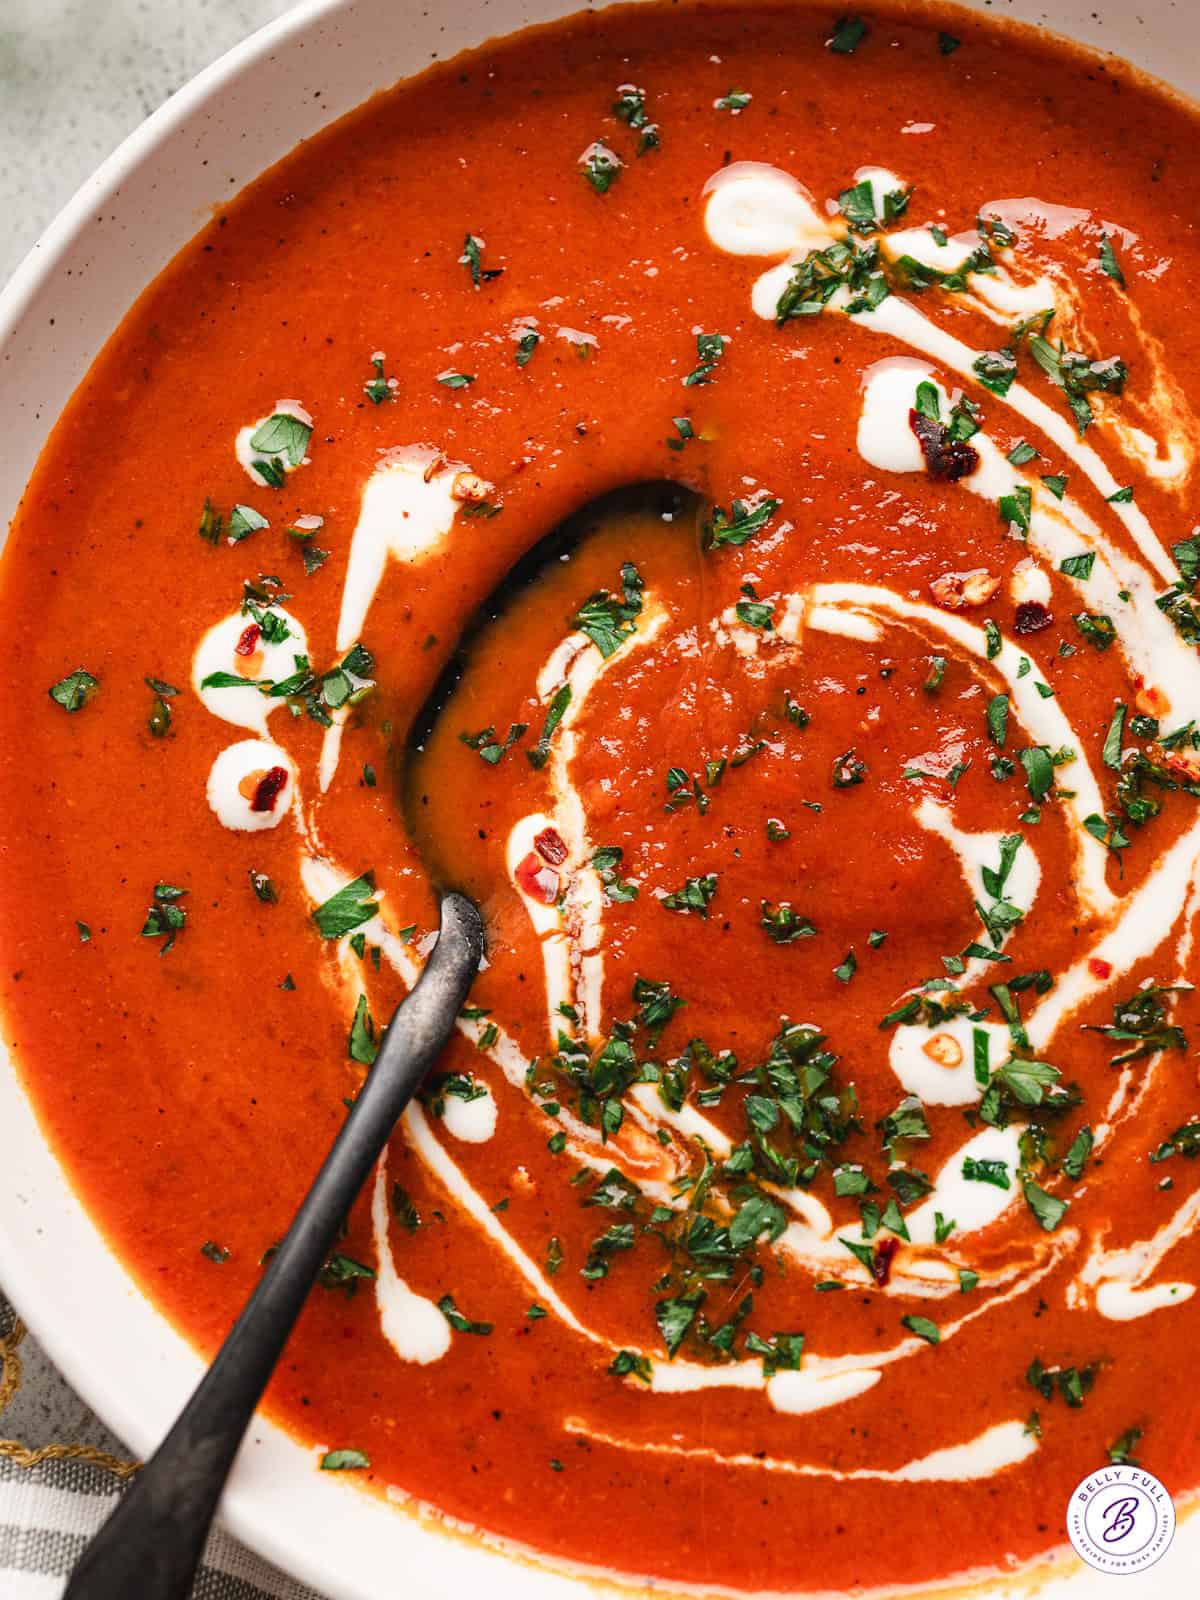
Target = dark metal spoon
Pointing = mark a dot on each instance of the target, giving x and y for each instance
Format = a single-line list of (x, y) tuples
[(151, 1545)]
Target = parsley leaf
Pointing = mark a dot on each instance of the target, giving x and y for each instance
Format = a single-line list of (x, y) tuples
[(74, 691), (282, 435), (739, 524), (694, 896), (348, 909), (344, 1461), (458, 1322)]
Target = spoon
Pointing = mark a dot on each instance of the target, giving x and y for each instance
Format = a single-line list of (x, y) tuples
[(152, 1543)]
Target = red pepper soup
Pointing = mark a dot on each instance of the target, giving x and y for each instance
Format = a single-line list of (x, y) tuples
[(810, 1189)]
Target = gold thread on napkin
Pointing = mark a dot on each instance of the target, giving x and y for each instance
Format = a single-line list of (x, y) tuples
[(10, 1382)]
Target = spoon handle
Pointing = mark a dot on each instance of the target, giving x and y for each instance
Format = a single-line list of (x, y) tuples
[(152, 1543)]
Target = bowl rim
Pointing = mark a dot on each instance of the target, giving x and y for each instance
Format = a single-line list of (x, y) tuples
[(255, 1509)]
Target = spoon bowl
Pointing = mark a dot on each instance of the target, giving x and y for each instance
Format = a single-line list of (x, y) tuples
[(481, 677)]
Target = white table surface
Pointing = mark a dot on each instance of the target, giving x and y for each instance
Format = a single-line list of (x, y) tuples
[(75, 77)]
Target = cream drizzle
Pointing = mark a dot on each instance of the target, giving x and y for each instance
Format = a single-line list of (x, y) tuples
[(1115, 1280), (1005, 1444), (411, 1323), (571, 935), (406, 512)]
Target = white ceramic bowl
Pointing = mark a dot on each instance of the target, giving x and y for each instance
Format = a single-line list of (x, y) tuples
[(124, 225)]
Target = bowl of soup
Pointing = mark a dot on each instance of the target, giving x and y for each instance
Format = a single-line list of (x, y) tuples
[(807, 1200)]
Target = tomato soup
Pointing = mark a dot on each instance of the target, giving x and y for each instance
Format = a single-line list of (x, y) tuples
[(807, 1199)]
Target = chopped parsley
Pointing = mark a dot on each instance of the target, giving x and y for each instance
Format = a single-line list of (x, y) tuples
[(1109, 264), (607, 863), (818, 277), (1039, 770), (1071, 1382), (997, 371), (282, 437), (1098, 630), (993, 1172), (166, 918), (601, 167), (1120, 1451), (1141, 1023), (756, 614), (695, 895), (923, 1328), (1077, 376), (540, 754), (458, 1322), (783, 924), (243, 521), (675, 1316), (630, 108), (472, 259), (739, 524), (629, 1364), (263, 888), (780, 1353), (848, 770), (1078, 566), (363, 1045), (490, 749), (380, 388), (848, 33), (608, 620), (526, 345), (74, 691), (710, 347), (348, 909), (343, 1272)]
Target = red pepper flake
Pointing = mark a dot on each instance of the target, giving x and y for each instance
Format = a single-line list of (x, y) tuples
[(881, 1267), (945, 456), (550, 846), (248, 641), (269, 788), (1032, 617), (1099, 968), (536, 879), (1182, 764)]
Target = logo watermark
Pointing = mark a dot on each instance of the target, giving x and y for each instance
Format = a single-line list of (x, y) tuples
[(1121, 1519)]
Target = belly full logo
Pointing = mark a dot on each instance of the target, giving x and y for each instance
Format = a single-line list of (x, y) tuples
[(1121, 1519)]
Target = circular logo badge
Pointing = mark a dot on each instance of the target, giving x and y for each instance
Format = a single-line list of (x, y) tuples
[(1121, 1519)]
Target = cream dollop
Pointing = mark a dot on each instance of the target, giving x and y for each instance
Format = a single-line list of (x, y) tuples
[(251, 786), (258, 661)]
